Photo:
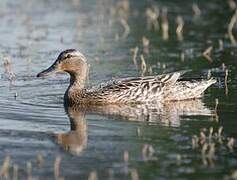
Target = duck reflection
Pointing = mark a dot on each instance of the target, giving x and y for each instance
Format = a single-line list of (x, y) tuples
[(169, 114), (166, 113), (75, 140)]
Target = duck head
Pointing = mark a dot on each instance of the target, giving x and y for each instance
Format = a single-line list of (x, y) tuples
[(70, 61)]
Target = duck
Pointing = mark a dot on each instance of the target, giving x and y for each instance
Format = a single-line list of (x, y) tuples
[(148, 89)]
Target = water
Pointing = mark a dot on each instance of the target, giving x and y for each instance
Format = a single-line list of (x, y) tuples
[(157, 139)]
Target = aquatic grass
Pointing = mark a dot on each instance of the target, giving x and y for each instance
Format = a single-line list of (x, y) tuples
[(57, 163), (110, 174), (4, 173), (232, 4), (209, 142), (196, 10), (120, 12), (216, 110), (182, 56), (234, 175), (145, 43), (226, 85), (15, 95), (230, 28), (148, 152), (29, 168), (15, 172), (152, 15), (179, 29), (216, 105), (143, 65), (221, 45), (126, 156), (207, 53), (93, 175), (134, 52), (29, 66), (208, 74), (231, 143), (126, 27), (7, 64), (165, 23), (150, 70), (29, 171), (134, 174), (178, 159), (40, 160), (138, 131)]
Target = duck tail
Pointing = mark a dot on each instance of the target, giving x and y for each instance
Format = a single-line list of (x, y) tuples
[(204, 85), (210, 81), (184, 90)]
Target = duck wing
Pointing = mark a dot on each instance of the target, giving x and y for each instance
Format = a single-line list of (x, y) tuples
[(137, 89), (146, 82)]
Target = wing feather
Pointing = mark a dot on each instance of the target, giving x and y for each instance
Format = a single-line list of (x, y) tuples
[(138, 88)]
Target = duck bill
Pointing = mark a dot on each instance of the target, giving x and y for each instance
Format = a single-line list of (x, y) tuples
[(50, 71)]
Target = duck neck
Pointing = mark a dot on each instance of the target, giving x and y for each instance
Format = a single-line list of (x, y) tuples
[(77, 81), (76, 88)]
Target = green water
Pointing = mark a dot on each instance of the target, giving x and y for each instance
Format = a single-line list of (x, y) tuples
[(158, 140)]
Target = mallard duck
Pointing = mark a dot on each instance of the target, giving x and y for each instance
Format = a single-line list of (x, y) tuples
[(159, 88)]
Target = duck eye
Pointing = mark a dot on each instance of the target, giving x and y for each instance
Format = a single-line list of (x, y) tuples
[(68, 56)]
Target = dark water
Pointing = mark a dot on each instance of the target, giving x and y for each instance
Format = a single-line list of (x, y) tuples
[(157, 139)]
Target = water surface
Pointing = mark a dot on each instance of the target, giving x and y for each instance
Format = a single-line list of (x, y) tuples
[(158, 140)]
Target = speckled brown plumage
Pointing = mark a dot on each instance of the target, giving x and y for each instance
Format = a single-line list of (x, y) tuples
[(160, 88)]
